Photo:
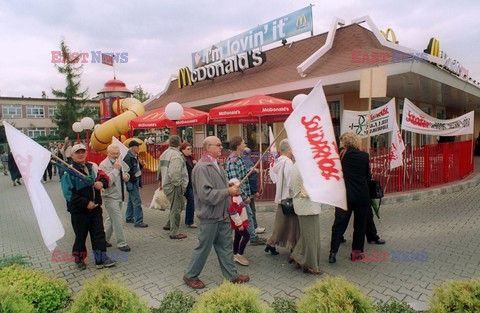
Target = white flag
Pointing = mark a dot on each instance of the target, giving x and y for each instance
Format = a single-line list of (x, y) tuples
[(273, 156), (32, 160), (123, 149), (381, 120), (396, 148), (311, 137), (417, 121)]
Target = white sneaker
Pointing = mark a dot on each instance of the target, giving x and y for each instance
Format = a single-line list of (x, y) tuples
[(240, 259), (259, 230)]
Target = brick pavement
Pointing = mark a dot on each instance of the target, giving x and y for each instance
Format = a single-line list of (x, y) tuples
[(447, 227)]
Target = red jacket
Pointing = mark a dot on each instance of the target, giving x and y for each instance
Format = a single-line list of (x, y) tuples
[(238, 213)]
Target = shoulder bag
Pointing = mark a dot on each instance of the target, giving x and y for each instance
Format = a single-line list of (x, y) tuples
[(286, 204)]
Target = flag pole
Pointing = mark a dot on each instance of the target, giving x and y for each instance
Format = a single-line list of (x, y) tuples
[(261, 158), (369, 110), (68, 165)]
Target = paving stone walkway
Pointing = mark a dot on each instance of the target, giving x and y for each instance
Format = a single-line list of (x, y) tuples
[(445, 228)]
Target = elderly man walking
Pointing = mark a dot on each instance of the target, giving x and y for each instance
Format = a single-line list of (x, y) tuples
[(173, 177), (212, 200), (134, 208), (84, 204), (114, 195)]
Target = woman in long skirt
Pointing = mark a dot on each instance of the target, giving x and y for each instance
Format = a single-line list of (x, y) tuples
[(286, 228), (306, 254)]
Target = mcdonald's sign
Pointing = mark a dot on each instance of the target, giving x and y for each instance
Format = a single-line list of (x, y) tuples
[(388, 32), (184, 77), (301, 22)]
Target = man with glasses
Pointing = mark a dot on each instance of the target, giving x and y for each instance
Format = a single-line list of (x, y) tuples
[(212, 201)]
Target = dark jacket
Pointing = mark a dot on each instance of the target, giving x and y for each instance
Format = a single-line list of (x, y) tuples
[(190, 165), (252, 178), (133, 164), (356, 171), (78, 193)]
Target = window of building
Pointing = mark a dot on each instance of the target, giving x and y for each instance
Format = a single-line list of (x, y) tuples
[(35, 111), (53, 131), (36, 132), (11, 111), (95, 113), (334, 107), (52, 111)]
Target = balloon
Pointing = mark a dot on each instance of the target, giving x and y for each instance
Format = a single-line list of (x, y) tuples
[(298, 99)]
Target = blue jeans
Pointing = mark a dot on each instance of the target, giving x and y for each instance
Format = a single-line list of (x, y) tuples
[(251, 226), (190, 210), (134, 206)]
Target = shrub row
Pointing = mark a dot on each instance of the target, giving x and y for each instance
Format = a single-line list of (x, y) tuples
[(27, 290)]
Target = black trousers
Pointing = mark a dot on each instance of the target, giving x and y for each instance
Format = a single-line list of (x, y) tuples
[(49, 171), (83, 224), (340, 224)]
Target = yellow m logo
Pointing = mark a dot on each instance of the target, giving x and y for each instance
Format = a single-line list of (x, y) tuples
[(301, 22), (433, 47), (390, 32), (184, 77)]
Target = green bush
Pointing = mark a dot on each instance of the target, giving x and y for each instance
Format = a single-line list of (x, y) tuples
[(102, 295), (457, 296), (231, 298), (16, 259), (393, 306), (334, 295), (12, 302), (283, 305), (44, 291), (176, 301)]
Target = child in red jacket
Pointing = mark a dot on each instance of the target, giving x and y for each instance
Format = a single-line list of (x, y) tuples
[(239, 222)]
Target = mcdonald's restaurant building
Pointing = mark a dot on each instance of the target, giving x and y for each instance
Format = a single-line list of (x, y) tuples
[(337, 58)]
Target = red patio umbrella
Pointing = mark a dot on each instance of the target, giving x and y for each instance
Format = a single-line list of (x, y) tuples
[(158, 119), (254, 109)]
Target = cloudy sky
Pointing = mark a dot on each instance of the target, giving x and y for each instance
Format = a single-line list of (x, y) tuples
[(159, 36)]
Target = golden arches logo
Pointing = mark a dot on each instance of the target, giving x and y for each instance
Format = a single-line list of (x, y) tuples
[(388, 32), (301, 22), (433, 47), (184, 77)]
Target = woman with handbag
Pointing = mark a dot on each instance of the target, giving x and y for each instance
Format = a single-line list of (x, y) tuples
[(286, 229), (186, 150), (356, 172), (307, 251)]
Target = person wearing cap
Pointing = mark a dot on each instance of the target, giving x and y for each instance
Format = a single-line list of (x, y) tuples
[(134, 208), (173, 177), (84, 204), (114, 195)]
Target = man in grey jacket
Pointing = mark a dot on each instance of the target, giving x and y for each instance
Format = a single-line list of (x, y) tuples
[(173, 177), (114, 195), (212, 201)]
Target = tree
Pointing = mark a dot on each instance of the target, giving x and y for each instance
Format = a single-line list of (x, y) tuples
[(140, 95), (74, 107)]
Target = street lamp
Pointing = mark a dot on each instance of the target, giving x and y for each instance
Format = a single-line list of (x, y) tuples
[(87, 124), (77, 127), (174, 112), (297, 100)]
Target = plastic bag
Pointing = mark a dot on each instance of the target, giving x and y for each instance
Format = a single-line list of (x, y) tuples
[(159, 201)]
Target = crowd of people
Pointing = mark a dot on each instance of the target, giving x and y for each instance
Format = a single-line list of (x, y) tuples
[(222, 196)]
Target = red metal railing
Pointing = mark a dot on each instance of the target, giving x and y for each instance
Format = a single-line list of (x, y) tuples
[(424, 166)]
